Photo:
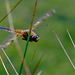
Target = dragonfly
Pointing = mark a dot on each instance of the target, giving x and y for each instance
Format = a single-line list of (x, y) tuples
[(24, 33)]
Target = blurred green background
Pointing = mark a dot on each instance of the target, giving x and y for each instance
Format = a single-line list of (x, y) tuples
[(54, 61)]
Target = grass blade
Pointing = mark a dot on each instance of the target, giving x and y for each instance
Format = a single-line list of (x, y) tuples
[(11, 10), (24, 55), (37, 64), (64, 50), (4, 65), (70, 38), (39, 72), (33, 57), (9, 60), (21, 56), (15, 41), (28, 39)]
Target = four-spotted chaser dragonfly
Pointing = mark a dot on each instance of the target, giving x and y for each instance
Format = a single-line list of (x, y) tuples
[(24, 33)]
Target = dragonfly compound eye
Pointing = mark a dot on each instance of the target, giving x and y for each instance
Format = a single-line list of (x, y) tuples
[(35, 38)]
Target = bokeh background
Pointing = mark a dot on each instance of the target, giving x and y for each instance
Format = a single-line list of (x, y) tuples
[(54, 61)]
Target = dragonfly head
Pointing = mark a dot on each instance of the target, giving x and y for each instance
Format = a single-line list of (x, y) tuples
[(35, 38)]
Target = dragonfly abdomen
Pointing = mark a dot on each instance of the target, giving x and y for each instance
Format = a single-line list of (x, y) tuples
[(5, 28)]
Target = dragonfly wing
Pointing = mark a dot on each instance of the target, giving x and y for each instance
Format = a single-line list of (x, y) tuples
[(44, 26), (43, 17), (8, 40)]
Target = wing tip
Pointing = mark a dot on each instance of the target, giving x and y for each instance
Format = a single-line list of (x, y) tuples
[(53, 11)]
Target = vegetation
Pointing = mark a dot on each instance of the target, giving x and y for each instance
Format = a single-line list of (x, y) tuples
[(54, 61)]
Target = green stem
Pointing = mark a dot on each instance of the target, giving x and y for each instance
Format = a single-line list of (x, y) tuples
[(24, 54)]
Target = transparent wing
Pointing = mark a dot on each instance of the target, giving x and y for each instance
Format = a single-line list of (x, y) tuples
[(8, 40), (44, 17), (44, 26)]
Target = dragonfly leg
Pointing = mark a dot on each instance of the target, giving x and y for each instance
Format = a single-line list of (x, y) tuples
[(19, 34)]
